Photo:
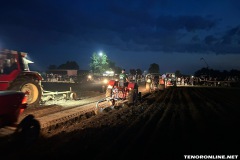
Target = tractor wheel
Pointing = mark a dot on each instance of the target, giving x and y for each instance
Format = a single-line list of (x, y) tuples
[(31, 88), (133, 96), (148, 87), (73, 96), (151, 90), (109, 92)]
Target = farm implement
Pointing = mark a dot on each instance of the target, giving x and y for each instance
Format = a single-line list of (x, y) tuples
[(58, 95), (117, 96)]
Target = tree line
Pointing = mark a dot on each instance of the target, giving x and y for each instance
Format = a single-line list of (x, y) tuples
[(100, 63)]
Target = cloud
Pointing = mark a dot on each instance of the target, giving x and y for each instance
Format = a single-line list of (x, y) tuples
[(136, 26), (189, 23)]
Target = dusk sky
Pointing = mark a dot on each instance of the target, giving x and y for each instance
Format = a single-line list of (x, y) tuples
[(175, 34)]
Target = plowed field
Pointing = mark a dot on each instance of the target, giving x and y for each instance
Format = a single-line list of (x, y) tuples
[(168, 125)]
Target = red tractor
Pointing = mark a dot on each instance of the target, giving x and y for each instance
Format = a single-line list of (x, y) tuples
[(15, 75), (155, 82), (116, 94), (13, 104)]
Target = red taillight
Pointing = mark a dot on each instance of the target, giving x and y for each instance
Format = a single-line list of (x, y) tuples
[(161, 81), (24, 100), (24, 104), (21, 110)]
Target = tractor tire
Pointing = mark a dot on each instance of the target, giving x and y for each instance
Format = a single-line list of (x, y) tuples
[(109, 92), (73, 96), (152, 88), (31, 88), (148, 87), (133, 96)]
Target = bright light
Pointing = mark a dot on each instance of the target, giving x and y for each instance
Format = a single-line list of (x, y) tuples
[(105, 81), (100, 54), (108, 73)]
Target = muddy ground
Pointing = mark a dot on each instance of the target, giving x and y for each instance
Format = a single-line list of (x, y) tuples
[(170, 124)]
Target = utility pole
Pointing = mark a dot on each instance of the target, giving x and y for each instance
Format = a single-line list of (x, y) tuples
[(204, 62), (208, 72)]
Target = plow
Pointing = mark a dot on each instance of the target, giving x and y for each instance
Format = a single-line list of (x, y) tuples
[(57, 96)]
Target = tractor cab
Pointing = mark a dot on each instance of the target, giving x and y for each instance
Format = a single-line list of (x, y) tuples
[(12, 65), (13, 60), (15, 75)]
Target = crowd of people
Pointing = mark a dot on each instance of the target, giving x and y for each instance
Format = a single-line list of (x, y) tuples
[(193, 80), (124, 78), (59, 78)]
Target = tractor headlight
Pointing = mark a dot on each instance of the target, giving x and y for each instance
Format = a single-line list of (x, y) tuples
[(148, 80), (105, 81)]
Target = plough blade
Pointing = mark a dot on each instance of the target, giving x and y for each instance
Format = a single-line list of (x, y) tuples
[(63, 95), (107, 103)]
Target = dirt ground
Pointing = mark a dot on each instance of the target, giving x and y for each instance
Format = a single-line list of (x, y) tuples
[(170, 124), (82, 90)]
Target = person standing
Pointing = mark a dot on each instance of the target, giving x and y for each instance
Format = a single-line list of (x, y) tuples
[(123, 82), (123, 79)]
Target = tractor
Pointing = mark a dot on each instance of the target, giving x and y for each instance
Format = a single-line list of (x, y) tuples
[(116, 95), (154, 82), (170, 80), (16, 75)]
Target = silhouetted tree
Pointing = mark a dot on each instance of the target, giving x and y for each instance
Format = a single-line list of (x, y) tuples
[(115, 68), (118, 70), (216, 73), (132, 71), (178, 73), (154, 68), (69, 65), (135, 71), (52, 67), (139, 71)]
